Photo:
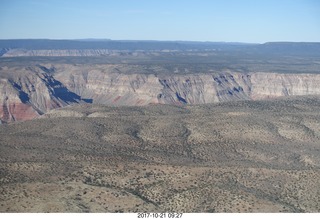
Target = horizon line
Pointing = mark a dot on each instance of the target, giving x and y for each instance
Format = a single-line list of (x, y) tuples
[(155, 40)]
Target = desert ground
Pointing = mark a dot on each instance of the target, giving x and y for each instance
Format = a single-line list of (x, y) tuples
[(241, 156)]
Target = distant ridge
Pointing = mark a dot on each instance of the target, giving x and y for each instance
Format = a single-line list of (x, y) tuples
[(299, 48), (44, 44)]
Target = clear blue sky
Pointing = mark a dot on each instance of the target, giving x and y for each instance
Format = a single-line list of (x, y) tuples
[(254, 21)]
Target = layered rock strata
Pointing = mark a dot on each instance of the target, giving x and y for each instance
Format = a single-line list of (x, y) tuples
[(29, 92)]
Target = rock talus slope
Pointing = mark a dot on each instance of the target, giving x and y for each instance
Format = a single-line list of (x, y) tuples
[(31, 91)]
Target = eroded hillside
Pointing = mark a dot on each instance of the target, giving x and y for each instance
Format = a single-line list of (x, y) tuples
[(27, 92)]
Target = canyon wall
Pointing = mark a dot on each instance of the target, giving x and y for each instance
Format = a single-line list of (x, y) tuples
[(27, 92)]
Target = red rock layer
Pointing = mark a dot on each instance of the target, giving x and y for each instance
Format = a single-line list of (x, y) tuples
[(17, 112)]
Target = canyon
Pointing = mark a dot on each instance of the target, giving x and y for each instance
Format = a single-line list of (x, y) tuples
[(147, 126), (28, 92)]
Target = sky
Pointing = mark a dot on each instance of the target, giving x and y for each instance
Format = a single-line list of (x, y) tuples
[(251, 21)]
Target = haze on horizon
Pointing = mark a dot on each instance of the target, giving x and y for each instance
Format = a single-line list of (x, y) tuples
[(202, 20)]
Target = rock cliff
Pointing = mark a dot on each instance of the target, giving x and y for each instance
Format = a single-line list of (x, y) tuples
[(27, 92)]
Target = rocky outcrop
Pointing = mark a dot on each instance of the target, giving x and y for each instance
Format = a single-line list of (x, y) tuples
[(268, 85), (115, 85), (14, 107), (29, 92)]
